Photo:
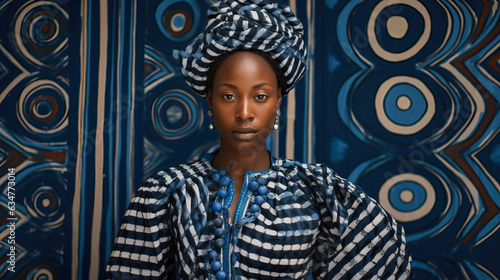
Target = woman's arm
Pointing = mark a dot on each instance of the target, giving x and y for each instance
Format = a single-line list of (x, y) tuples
[(143, 247), (358, 238)]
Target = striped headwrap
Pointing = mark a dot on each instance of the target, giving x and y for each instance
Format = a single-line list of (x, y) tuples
[(246, 24)]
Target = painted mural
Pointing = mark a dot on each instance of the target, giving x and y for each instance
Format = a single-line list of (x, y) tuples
[(401, 96)]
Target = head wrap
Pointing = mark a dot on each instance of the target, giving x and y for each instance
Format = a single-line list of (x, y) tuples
[(246, 24)]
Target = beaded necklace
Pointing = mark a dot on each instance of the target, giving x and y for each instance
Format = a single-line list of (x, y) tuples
[(260, 191)]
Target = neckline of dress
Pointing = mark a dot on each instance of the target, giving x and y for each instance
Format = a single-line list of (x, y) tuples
[(209, 157)]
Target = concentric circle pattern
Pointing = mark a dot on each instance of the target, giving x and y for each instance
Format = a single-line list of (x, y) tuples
[(178, 20), (410, 107), (42, 268), (397, 27), (419, 94), (43, 107), (175, 115), (404, 105), (41, 273), (41, 33), (408, 197), (416, 193), (44, 200)]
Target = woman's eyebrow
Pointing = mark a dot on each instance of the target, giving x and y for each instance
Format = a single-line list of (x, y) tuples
[(229, 86), (254, 87), (261, 85)]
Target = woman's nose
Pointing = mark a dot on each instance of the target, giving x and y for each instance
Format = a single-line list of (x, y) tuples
[(245, 110)]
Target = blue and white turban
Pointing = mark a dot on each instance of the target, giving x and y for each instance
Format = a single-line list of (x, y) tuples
[(246, 24)]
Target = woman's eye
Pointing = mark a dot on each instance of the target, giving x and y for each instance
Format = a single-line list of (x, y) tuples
[(228, 97), (261, 97)]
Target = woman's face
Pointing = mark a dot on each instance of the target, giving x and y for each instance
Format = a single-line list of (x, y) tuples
[(244, 100)]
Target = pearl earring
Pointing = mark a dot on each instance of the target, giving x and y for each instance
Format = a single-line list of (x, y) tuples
[(211, 126), (276, 120)]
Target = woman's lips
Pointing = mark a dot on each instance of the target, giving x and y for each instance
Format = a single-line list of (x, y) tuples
[(244, 133)]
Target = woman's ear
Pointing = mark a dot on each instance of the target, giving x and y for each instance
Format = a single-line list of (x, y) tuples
[(209, 99), (280, 96)]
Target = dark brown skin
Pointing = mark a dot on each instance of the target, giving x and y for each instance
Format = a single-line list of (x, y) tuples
[(244, 101)]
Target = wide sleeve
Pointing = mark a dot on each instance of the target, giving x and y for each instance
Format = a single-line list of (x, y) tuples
[(358, 239), (143, 246)]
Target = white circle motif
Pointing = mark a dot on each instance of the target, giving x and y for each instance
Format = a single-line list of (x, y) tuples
[(397, 128), (404, 103), (174, 27), (397, 27), (33, 87), (395, 57), (406, 196), (418, 213)]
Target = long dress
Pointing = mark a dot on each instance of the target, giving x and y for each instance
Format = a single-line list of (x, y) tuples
[(292, 221)]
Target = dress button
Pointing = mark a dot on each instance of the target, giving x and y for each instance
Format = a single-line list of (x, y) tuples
[(222, 193), (216, 265), (223, 172), (217, 206), (221, 275), (218, 222), (212, 255), (262, 190), (253, 186), (220, 232), (259, 199), (216, 177), (254, 208), (219, 242), (225, 180)]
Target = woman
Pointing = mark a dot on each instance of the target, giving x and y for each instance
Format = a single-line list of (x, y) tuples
[(239, 213)]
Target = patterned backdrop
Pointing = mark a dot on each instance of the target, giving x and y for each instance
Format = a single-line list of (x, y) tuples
[(401, 96)]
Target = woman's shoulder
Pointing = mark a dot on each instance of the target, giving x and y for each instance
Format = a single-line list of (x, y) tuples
[(309, 171), (320, 178), (164, 181), (344, 200)]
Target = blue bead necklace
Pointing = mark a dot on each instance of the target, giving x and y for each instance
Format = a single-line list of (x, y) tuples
[(260, 191)]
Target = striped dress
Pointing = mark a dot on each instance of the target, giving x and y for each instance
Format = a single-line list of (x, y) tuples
[(312, 224)]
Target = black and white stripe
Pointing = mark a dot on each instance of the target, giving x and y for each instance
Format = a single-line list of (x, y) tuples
[(248, 24), (313, 225)]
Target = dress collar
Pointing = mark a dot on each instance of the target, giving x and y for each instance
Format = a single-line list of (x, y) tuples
[(209, 157)]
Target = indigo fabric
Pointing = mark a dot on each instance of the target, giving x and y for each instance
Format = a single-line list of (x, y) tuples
[(313, 225), (247, 24)]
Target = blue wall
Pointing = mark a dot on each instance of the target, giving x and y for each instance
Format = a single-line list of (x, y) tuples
[(401, 97)]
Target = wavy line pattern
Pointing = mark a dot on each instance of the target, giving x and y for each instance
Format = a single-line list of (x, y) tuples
[(424, 95), (34, 108)]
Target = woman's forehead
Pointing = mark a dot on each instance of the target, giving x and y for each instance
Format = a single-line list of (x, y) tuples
[(245, 61)]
